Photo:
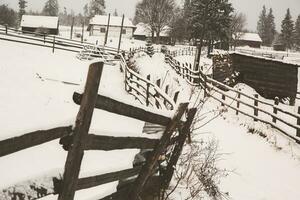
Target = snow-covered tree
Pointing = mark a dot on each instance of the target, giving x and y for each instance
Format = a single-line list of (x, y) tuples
[(297, 32), (262, 25), (287, 30), (270, 27), (97, 7), (237, 26), (210, 20), (51, 8), (22, 6), (155, 13)]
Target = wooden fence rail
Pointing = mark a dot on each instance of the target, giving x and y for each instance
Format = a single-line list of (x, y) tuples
[(287, 122), (49, 41), (144, 89)]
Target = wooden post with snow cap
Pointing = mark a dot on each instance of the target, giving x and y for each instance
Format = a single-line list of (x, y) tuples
[(276, 103), (256, 105), (298, 123), (121, 32), (157, 94), (53, 47), (82, 125), (148, 90), (238, 101), (107, 29)]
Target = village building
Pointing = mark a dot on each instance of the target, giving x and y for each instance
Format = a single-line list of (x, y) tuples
[(248, 39), (98, 26), (143, 31), (40, 24)]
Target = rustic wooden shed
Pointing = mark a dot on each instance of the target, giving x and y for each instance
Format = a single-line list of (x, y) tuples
[(269, 77)]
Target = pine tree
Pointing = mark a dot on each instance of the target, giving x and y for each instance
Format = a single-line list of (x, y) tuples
[(97, 7), (297, 32), (22, 6), (270, 28), (287, 30), (51, 8), (210, 21), (262, 26)]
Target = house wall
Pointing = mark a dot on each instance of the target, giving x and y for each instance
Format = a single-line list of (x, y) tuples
[(112, 32), (249, 43), (33, 30)]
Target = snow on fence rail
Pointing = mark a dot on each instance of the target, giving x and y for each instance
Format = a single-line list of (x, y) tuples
[(77, 139), (285, 121), (49, 41), (147, 92)]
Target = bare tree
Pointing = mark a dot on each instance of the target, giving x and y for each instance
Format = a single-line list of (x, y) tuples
[(157, 14), (237, 27)]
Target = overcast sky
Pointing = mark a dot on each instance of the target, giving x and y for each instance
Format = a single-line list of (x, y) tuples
[(251, 8)]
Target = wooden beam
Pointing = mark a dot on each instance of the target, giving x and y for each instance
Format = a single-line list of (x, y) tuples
[(93, 181), (82, 125), (107, 143), (120, 108), (35, 138), (183, 135), (148, 168)]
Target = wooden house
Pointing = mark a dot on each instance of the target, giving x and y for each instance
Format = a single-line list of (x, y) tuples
[(40, 24)]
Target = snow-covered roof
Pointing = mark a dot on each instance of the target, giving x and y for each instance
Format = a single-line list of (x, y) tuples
[(249, 37), (114, 21), (39, 21), (144, 30)]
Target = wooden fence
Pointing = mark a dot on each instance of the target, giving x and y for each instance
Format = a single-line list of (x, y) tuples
[(147, 92), (77, 139), (285, 120), (48, 41)]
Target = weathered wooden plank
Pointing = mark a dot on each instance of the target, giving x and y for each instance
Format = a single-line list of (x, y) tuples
[(82, 125), (107, 143), (120, 108), (147, 169), (183, 135), (93, 181), (35, 138)]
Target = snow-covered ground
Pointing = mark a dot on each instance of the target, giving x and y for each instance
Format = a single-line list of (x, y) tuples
[(36, 89)]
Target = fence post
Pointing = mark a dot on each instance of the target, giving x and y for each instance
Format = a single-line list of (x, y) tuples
[(6, 28), (223, 98), (298, 123), (238, 102), (276, 102), (175, 98), (82, 126), (148, 90), (53, 47), (256, 105), (157, 94), (44, 38)]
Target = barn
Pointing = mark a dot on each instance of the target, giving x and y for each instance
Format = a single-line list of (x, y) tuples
[(40, 24), (98, 26), (248, 39), (143, 31)]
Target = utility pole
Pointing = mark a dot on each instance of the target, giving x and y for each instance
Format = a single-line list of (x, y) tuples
[(107, 29), (121, 34)]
